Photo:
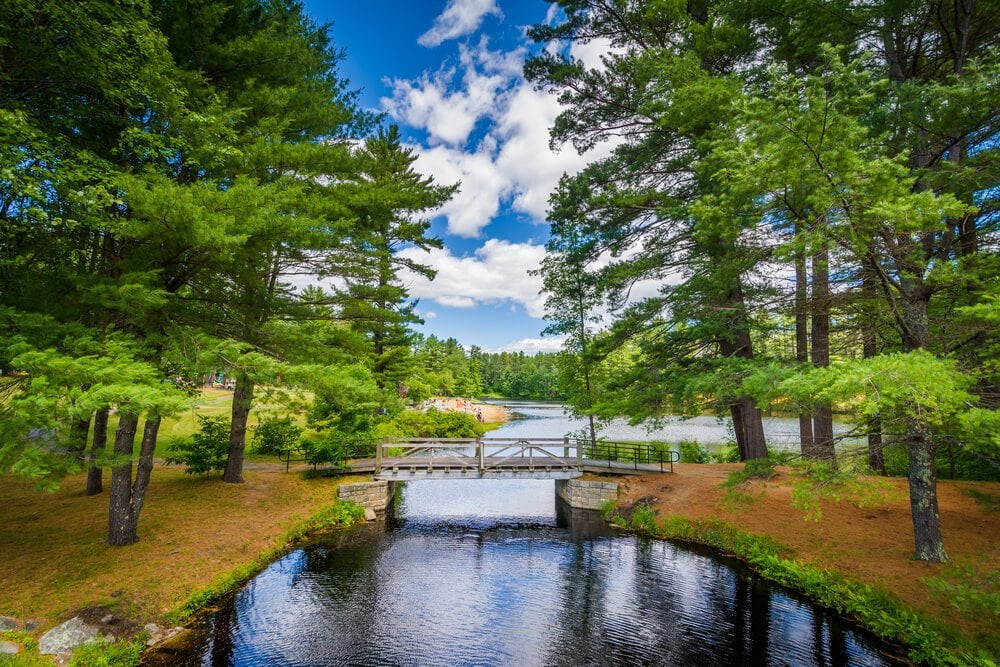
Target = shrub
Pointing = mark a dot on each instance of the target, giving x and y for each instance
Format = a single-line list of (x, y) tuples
[(275, 435), (728, 453), (432, 424), (206, 450), (325, 450), (693, 452)]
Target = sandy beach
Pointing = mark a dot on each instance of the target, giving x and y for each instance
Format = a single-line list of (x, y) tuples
[(491, 414)]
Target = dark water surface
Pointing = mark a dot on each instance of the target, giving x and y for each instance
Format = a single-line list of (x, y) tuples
[(494, 572)]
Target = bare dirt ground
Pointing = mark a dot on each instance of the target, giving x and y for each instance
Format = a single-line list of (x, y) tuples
[(191, 531), (872, 545)]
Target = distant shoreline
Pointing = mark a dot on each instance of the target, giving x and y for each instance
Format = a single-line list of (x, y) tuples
[(490, 413)]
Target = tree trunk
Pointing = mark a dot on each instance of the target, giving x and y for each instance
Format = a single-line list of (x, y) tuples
[(127, 497), (923, 496), (869, 350), (919, 444), (802, 342), (822, 446), (749, 428), (95, 473), (145, 468), (242, 400), (121, 531), (747, 419)]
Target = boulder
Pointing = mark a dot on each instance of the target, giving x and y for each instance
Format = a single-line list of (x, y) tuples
[(370, 514), (7, 623), (69, 635), (9, 648)]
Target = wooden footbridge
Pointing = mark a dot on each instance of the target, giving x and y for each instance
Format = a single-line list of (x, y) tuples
[(521, 457)]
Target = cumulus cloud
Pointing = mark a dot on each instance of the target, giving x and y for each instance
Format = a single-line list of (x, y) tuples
[(496, 274), (460, 17), (449, 102), (482, 186), (511, 163)]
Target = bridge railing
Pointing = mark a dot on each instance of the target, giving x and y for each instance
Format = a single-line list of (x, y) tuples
[(493, 453), (612, 452), (455, 450)]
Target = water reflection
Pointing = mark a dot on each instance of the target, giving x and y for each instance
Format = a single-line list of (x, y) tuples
[(496, 573)]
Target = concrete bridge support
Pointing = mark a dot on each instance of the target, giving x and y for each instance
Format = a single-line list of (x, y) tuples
[(585, 493), (375, 496)]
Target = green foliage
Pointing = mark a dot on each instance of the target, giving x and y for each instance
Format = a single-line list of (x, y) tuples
[(738, 481), (432, 423), (103, 653), (895, 387), (274, 435), (817, 480), (347, 399), (644, 519), (728, 453), (693, 452), (517, 375), (29, 656), (206, 451), (968, 591)]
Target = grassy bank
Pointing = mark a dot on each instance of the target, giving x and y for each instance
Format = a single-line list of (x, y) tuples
[(198, 538), (852, 556)]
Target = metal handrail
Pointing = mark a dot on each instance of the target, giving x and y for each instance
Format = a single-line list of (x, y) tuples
[(624, 452)]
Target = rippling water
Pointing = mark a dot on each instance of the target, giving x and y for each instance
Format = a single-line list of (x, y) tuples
[(493, 572)]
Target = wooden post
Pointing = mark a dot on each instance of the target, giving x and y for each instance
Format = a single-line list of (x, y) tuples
[(479, 451), (378, 455), (579, 454)]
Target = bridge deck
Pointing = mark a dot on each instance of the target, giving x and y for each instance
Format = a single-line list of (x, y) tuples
[(415, 468), (537, 458)]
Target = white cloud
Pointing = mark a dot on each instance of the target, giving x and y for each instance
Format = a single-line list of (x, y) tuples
[(482, 186), (512, 162), (449, 109), (496, 274), (460, 17), (590, 53), (429, 315), (532, 346)]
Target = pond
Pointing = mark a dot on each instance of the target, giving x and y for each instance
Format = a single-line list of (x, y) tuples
[(498, 572)]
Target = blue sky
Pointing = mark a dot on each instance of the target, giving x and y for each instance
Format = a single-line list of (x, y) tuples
[(448, 72)]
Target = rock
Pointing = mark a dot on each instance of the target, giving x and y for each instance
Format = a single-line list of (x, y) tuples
[(370, 514), (69, 635), (7, 623), (9, 648), (31, 626), (155, 633)]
